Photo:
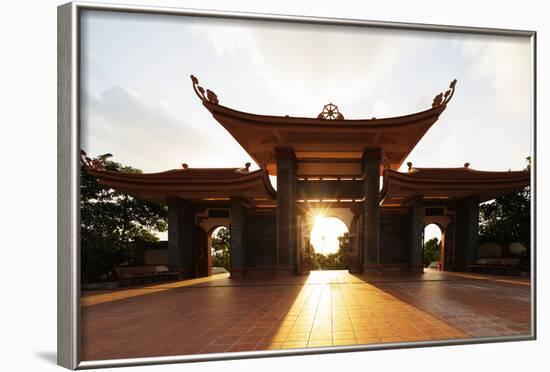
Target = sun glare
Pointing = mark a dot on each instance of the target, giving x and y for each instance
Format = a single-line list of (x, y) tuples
[(325, 233)]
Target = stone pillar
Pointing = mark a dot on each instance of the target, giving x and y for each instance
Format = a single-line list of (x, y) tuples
[(416, 251), (355, 264), (371, 206), (238, 230), (286, 209), (181, 229), (361, 233), (353, 256), (450, 246), (301, 268), (467, 232)]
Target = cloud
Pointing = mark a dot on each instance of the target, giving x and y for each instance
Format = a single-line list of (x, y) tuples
[(302, 67), (139, 102), (505, 62), (147, 135)]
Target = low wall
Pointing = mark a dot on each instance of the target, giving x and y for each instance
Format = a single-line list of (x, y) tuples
[(155, 257)]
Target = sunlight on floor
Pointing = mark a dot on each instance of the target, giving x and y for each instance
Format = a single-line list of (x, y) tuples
[(340, 309), (94, 299)]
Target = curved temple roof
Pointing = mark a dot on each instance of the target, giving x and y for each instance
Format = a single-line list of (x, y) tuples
[(330, 139), (205, 185), (449, 183)]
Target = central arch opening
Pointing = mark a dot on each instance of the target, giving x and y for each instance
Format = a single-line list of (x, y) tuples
[(329, 240)]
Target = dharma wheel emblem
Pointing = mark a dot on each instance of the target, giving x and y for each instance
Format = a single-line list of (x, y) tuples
[(330, 112)]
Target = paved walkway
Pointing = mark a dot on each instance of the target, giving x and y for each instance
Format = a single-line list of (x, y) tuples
[(326, 308)]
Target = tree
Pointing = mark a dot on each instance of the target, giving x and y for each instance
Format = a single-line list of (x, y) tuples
[(221, 244), (110, 221), (332, 261), (507, 219), (344, 248), (432, 251)]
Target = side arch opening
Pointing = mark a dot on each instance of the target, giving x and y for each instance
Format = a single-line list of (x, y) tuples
[(433, 246), (219, 249)]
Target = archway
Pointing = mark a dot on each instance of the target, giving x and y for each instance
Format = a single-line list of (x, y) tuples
[(219, 249), (433, 246), (330, 243)]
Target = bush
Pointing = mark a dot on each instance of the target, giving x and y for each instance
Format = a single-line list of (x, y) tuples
[(221, 245), (432, 251)]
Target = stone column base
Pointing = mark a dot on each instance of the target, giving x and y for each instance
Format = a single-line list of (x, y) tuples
[(186, 275), (236, 273), (383, 268), (419, 269), (286, 270), (355, 270), (260, 272)]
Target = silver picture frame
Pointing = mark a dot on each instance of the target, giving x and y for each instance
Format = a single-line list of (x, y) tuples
[(68, 163)]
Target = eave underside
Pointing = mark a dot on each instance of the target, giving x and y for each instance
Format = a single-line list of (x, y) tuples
[(253, 188), (321, 147), (450, 184)]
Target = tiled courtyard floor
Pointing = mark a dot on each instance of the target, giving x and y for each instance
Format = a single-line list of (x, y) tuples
[(326, 308)]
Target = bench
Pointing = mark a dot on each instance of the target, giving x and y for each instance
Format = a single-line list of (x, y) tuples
[(145, 274), (499, 265), (481, 263), (162, 272)]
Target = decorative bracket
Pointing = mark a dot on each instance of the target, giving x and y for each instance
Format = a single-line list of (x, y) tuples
[(88, 162)]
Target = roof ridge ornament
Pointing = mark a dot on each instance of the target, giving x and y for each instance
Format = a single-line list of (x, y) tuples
[(330, 112), (245, 169), (443, 98), (90, 163), (411, 169), (209, 96)]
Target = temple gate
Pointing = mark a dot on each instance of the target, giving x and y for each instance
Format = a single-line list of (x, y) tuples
[(324, 162)]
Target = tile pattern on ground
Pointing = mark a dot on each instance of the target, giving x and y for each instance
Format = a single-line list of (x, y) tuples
[(327, 308)]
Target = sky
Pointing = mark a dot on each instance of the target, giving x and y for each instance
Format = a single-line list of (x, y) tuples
[(325, 233), (138, 103)]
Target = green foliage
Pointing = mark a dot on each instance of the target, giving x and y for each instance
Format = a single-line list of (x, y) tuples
[(507, 219), (221, 244), (332, 261), (344, 248), (313, 263), (110, 221), (432, 251)]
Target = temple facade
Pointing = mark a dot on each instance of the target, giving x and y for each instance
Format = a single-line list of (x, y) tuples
[(345, 168)]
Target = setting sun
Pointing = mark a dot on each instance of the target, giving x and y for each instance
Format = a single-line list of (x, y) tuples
[(325, 233)]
